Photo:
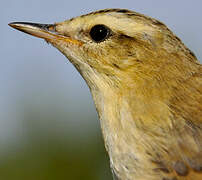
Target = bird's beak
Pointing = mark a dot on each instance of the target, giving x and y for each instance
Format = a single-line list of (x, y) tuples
[(45, 31)]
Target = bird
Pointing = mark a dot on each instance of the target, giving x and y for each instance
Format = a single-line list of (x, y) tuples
[(146, 86)]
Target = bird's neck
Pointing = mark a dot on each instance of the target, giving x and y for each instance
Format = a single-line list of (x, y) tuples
[(127, 123), (135, 117), (131, 110)]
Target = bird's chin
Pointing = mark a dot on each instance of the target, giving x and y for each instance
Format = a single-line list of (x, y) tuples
[(71, 52)]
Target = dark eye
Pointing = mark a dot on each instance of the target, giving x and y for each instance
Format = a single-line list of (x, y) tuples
[(99, 33)]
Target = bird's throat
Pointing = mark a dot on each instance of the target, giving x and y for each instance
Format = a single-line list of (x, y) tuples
[(128, 126)]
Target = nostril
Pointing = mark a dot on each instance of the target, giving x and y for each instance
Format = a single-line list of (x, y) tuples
[(57, 29), (51, 27)]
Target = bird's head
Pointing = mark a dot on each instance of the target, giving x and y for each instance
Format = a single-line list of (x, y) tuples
[(114, 46)]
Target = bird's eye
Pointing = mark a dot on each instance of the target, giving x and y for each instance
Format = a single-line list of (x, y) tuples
[(99, 33)]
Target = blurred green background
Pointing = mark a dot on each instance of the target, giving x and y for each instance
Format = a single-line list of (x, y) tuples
[(49, 129)]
